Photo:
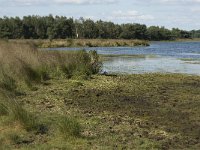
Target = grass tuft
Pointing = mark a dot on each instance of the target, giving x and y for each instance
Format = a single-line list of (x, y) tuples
[(69, 127), (3, 110), (28, 120)]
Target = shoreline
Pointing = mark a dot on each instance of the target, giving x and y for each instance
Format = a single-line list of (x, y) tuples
[(79, 43), (152, 109), (57, 43), (179, 40)]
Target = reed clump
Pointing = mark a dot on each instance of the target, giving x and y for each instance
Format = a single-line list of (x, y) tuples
[(90, 43), (22, 64)]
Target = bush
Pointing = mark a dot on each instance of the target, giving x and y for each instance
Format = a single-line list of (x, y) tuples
[(95, 62)]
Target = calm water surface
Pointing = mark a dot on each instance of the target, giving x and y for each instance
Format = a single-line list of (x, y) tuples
[(163, 57)]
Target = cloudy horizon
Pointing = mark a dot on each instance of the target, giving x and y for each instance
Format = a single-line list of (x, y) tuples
[(183, 14)]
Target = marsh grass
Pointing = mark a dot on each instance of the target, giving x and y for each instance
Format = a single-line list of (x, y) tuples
[(85, 43), (22, 64)]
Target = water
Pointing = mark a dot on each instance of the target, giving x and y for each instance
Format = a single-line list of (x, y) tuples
[(168, 57)]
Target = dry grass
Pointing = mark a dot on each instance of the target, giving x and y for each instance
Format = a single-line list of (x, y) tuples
[(86, 43)]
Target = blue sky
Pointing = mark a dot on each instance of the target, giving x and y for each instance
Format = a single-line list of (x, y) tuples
[(184, 14)]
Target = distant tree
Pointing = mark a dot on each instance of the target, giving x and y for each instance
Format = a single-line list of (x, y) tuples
[(195, 33), (159, 33), (90, 30), (5, 28), (16, 28), (177, 33), (61, 27)]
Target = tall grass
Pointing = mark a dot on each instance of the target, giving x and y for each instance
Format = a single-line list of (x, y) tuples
[(11, 108), (23, 64)]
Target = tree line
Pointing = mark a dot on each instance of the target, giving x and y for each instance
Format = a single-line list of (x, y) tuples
[(60, 27)]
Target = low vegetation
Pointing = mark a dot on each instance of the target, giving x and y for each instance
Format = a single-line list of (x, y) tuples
[(93, 43), (54, 100), (23, 64), (85, 43), (151, 111), (22, 69)]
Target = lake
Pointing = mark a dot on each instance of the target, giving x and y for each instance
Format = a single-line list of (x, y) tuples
[(162, 57)]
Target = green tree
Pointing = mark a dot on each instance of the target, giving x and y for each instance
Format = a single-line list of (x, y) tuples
[(90, 30)]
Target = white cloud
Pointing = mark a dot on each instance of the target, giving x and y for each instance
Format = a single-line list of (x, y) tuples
[(23, 2), (178, 1), (195, 10), (51, 2), (131, 15), (85, 1), (92, 2)]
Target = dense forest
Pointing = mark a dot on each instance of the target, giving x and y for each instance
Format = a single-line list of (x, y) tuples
[(60, 27)]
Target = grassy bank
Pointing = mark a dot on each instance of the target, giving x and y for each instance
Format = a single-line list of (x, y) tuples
[(151, 111), (86, 43), (54, 100), (23, 68), (181, 40)]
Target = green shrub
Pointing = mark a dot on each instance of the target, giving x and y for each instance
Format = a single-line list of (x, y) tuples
[(96, 64)]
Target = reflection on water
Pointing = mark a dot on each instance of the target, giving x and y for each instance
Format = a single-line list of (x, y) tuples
[(150, 65)]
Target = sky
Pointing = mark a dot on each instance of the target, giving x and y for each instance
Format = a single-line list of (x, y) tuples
[(184, 14)]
